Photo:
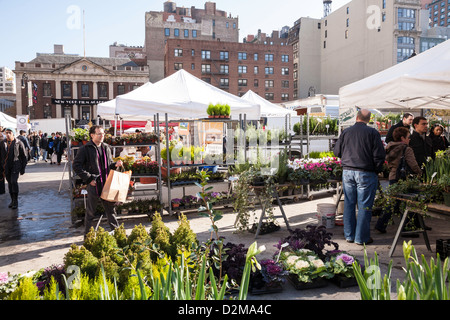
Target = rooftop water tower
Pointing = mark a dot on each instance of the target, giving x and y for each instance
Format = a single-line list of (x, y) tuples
[(326, 7)]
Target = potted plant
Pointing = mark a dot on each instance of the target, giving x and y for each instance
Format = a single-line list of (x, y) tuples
[(444, 184), (341, 265), (210, 111), (269, 279), (306, 269), (176, 203)]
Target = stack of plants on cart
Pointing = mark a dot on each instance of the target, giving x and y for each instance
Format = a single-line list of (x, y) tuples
[(144, 167), (314, 171), (317, 126), (190, 176), (79, 136), (259, 137), (79, 211), (217, 111), (135, 138), (140, 206), (182, 155)]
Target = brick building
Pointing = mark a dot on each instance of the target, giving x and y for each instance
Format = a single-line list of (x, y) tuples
[(58, 84), (439, 13), (235, 67), (184, 23)]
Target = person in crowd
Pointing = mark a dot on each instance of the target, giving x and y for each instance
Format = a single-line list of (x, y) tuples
[(35, 146), (394, 152), (23, 137), (59, 145), (92, 164), (438, 140), (420, 142), (2, 180), (406, 122), (51, 142), (13, 161), (362, 157), (44, 147)]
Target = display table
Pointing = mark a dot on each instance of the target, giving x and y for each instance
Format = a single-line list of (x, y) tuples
[(258, 190), (438, 211)]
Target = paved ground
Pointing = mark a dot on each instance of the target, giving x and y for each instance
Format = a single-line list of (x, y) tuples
[(40, 232)]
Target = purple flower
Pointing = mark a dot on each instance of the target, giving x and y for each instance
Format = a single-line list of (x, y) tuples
[(3, 277), (347, 259)]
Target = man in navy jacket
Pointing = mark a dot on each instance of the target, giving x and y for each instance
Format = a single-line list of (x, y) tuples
[(362, 157)]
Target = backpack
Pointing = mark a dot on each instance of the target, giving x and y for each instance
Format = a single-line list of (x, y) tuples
[(403, 169)]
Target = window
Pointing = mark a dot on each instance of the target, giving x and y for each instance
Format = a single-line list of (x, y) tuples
[(284, 83), (67, 111), (284, 71), (242, 82), (224, 55), (67, 90), (176, 32), (194, 33), (178, 52), (167, 32), (242, 69), (47, 111), (284, 58), (347, 23), (242, 55), (186, 33), (227, 25), (120, 89), (268, 57), (324, 44), (405, 40), (255, 69), (268, 83), (192, 66), (255, 57), (206, 68), (268, 70), (285, 96), (102, 90), (269, 96), (85, 91), (47, 90), (256, 83), (224, 82), (346, 34), (178, 66), (207, 80), (224, 68), (206, 54)]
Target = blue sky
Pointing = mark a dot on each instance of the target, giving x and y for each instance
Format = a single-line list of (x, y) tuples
[(35, 26)]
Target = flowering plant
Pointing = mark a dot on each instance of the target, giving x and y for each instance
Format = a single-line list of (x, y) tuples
[(341, 263), (273, 273), (306, 265)]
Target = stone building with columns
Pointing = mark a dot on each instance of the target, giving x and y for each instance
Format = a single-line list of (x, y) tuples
[(58, 84)]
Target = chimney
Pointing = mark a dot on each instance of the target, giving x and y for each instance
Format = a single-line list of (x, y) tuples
[(59, 49)]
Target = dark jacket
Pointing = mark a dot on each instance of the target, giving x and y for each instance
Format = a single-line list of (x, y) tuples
[(86, 165), (59, 145), (394, 152), (422, 147), (389, 137), (16, 163), (438, 143), (360, 148), (44, 142)]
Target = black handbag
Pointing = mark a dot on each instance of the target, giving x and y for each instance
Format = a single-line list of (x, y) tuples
[(403, 169)]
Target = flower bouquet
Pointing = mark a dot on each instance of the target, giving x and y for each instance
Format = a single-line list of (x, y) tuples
[(269, 279), (306, 269), (341, 265)]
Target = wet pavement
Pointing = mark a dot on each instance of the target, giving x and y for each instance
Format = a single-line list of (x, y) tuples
[(44, 212)]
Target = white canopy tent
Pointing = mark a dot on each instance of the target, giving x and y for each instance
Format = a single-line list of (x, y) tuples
[(184, 96), (421, 82), (7, 121), (268, 109), (107, 110)]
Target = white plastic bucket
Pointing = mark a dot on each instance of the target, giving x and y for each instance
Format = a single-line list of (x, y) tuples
[(326, 215)]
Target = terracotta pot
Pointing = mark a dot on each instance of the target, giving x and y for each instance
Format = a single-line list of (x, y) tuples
[(148, 180)]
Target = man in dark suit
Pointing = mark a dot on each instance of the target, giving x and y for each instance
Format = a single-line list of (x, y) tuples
[(405, 122), (420, 142)]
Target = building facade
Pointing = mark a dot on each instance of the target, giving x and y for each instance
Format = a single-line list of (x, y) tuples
[(235, 67), (56, 85), (439, 13), (187, 24), (7, 81)]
